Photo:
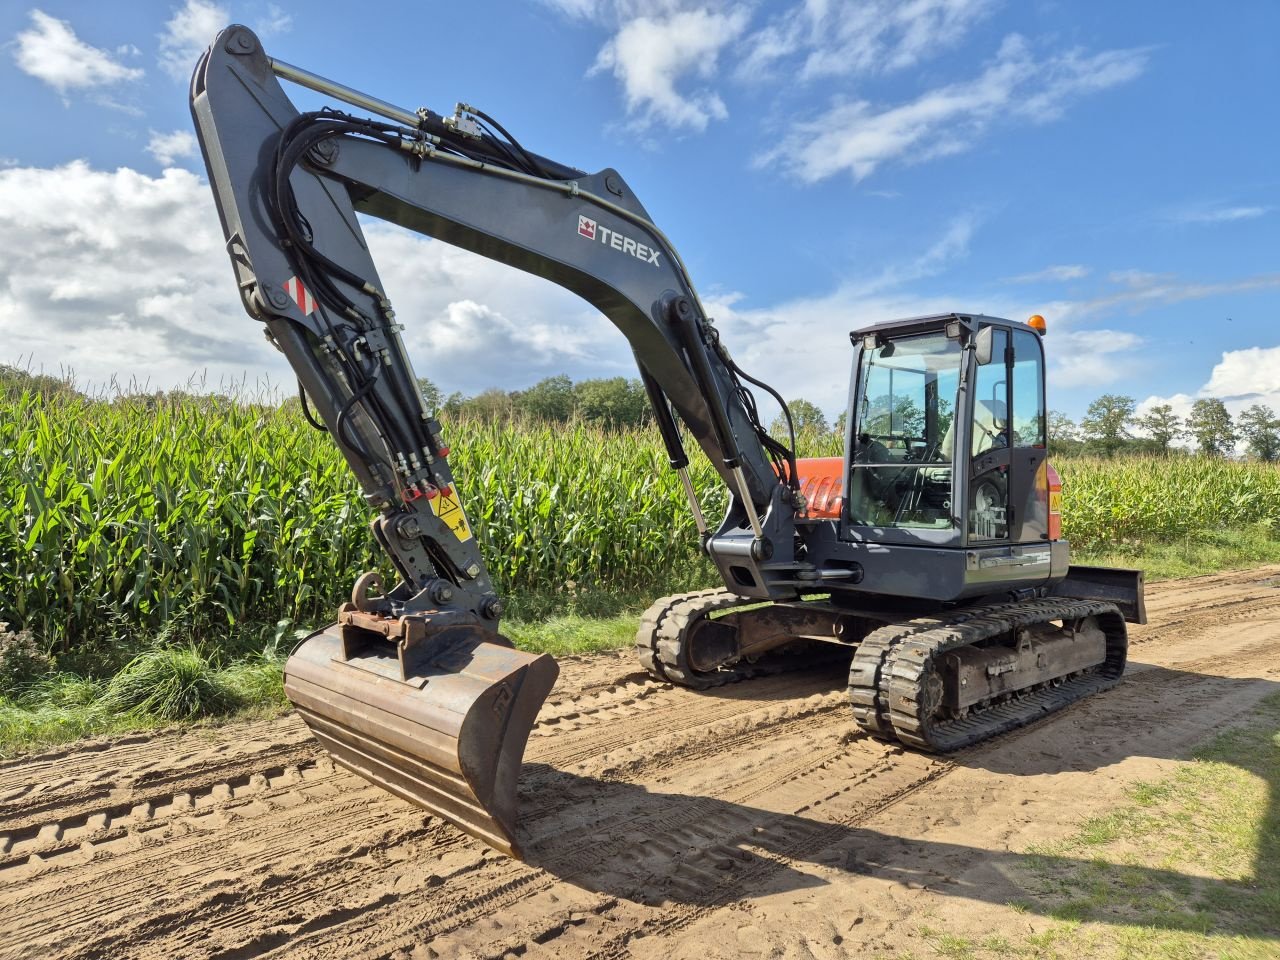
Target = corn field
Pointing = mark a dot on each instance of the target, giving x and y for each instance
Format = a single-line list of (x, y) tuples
[(125, 519)]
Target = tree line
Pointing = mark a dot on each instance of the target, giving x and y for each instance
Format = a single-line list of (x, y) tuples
[(1108, 428), (1111, 426), (609, 401)]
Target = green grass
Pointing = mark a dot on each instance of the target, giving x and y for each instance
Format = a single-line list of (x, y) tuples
[(167, 686), (572, 634), (160, 687), (1187, 867), (1191, 555)]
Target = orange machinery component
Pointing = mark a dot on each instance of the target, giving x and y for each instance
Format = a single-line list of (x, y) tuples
[(821, 482), (1055, 502)]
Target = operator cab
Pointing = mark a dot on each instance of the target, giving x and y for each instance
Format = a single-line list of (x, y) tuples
[(946, 442)]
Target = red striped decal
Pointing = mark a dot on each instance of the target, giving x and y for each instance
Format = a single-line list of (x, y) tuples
[(300, 295)]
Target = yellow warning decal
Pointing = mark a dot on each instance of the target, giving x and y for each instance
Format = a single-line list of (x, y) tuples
[(1055, 501), (448, 507)]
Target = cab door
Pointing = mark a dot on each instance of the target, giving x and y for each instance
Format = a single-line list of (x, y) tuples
[(1007, 443)]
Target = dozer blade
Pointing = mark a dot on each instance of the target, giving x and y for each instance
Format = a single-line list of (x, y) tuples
[(449, 736)]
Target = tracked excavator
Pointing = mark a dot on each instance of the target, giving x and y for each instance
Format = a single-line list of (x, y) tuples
[(931, 552)]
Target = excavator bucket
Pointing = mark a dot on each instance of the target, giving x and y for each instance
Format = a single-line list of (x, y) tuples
[(446, 731)]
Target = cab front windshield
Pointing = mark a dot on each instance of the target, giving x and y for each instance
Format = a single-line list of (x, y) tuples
[(903, 441)]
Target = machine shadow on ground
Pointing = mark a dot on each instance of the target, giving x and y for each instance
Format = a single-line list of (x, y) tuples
[(656, 848)]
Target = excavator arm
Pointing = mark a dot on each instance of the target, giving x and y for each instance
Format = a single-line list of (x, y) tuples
[(414, 687)]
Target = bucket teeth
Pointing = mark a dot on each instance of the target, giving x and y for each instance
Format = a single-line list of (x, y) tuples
[(450, 738)]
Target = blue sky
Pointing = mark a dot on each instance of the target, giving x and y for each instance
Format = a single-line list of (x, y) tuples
[(819, 165)]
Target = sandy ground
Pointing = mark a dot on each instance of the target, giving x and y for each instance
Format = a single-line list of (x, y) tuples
[(659, 822)]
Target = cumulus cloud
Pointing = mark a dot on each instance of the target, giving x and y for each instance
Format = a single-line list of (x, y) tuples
[(1091, 358), (1241, 379), (120, 275), (117, 273), (168, 148), (187, 33), (856, 137), (651, 56), (473, 323), (123, 275), (828, 38), (1246, 373), (50, 51)]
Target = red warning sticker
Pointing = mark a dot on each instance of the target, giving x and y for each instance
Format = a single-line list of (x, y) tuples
[(300, 295)]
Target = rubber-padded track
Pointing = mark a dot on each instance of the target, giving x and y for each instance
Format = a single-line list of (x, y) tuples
[(888, 676)]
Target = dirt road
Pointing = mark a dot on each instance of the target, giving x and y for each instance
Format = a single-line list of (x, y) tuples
[(659, 822)]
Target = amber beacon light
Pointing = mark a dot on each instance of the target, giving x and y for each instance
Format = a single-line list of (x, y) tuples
[(1036, 323)]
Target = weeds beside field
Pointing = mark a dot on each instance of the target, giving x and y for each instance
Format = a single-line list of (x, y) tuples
[(206, 524)]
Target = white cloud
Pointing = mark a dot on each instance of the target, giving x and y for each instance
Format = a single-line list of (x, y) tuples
[(473, 323), (275, 21), (186, 35), (652, 56), (857, 138), (1056, 273), (1245, 373), (1142, 291), (952, 245), (123, 275), (1220, 214), (50, 51), (169, 147), (611, 13), (119, 275), (1241, 379), (826, 38), (1090, 358)]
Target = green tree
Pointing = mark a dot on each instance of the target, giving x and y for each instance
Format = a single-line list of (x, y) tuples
[(613, 401), (15, 381), (431, 395), (803, 414), (1211, 425), (1163, 425), (1106, 423), (548, 399), (453, 405), (491, 404), (1063, 434), (1260, 428)]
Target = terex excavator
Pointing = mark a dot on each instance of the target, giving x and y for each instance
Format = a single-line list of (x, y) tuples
[(931, 550)]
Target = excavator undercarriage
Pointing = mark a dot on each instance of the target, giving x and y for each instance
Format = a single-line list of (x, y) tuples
[(929, 556), (935, 683)]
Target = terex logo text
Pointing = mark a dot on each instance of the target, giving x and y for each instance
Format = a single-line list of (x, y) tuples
[(591, 230)]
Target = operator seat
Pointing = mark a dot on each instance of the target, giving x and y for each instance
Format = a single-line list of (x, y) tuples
[(990, 425)]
